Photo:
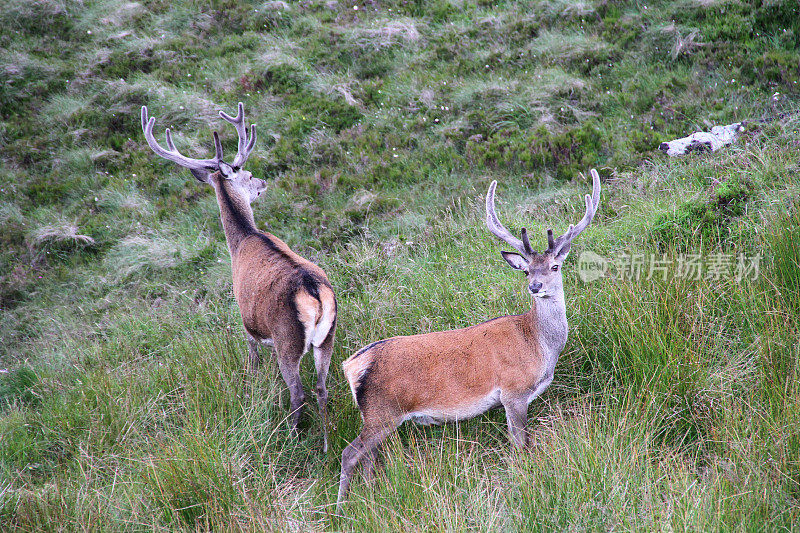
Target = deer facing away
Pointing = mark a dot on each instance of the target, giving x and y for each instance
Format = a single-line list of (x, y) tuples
[(285, 300), (459, 374)]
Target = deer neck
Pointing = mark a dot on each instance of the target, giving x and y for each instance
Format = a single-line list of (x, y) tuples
[(550, 316), (235, 213)]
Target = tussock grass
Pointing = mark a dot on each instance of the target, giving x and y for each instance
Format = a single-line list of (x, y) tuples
[(63, 107), (129, 199), (11, 214), (17, 65), (59, 233), (155, 252), (563, 8), (559, 47), (386, 33)]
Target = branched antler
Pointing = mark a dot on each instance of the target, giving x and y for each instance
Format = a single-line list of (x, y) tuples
[(200, 167), (245, 145), (523, 247), (171, 153), (561, 244), (557, 246)]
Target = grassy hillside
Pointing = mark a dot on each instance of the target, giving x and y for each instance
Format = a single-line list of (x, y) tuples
[(123, 404)]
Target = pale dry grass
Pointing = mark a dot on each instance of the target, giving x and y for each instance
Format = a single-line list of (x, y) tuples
[(63, 108), (154, 251), (10, 213), (176, 106), (560, 46), (281, 50), (340, 84), (566, 8), (130, 199), (16, 65), (58, 232), (385, 33), (277, 5), (122, 13)]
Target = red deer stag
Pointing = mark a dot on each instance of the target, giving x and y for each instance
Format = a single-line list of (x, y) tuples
[(459, 374), (285, 300)]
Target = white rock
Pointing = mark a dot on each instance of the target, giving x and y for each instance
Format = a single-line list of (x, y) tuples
[(702, 141)]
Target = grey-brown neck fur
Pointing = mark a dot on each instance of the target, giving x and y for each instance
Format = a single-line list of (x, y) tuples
[(551, 321), (235, 212)]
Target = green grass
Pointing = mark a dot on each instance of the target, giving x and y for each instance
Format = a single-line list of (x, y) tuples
[(123, 401)]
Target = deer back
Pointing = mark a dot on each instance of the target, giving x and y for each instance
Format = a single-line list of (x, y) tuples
[(449, 372)]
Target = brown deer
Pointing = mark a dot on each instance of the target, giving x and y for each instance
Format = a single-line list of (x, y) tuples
[(285, 300), (459, 374)]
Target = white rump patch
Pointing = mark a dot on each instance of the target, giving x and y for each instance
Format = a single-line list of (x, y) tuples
[(317, 316), (354, 370), (323, 327)]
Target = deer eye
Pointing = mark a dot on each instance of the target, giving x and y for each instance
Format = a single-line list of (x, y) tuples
[(554, 268)]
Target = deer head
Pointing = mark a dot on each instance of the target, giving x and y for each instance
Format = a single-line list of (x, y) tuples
[(542, 269), (203, 169)]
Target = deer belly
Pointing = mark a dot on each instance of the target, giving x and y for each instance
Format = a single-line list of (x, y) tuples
[(464, 411)]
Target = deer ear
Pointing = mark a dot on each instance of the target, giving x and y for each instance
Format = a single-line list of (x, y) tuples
[(515, 260), (200, 174), (226, 169)]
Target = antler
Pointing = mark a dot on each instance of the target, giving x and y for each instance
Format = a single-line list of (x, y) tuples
[(245, 145), (555, 246), (172, 153), (592, 203), (522, 246)]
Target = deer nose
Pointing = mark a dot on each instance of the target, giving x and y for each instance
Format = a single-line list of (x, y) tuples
[(535, 286), (664, 147)]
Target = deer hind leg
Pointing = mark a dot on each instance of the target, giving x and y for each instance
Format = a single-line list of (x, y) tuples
[(289, 365), (364, 446), (253, 357), (368, 463), (322, 361)]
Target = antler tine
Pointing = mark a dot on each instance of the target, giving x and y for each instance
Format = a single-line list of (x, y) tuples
[(170, 144), (551, 244), (252, 143), (526, 243), (218, 147), (245, 145), (238, 123), (592, 203), (494, 225), (172, 153)]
